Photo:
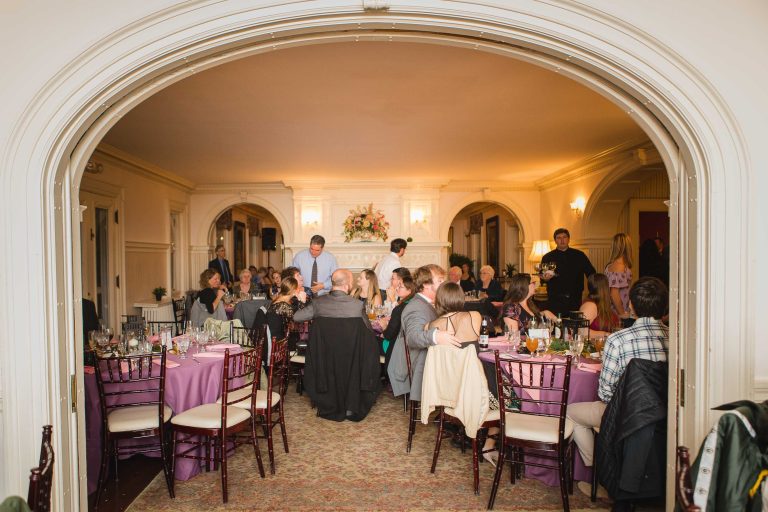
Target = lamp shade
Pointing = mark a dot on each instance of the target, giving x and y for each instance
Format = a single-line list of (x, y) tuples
[(540, 248)]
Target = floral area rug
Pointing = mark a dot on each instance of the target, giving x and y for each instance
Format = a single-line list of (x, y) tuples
[(355, 466)]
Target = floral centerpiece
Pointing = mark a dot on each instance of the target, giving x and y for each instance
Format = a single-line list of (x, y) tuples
[(365, 223)]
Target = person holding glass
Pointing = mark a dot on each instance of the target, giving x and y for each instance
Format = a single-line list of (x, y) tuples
[(210, 299), (487, 286), (406, 289), (368, 289)]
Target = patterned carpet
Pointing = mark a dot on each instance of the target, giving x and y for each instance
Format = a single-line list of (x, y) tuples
[(355, 466)]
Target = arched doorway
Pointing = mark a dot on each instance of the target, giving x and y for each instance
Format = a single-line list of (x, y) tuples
[(700, 152), (250, 234)]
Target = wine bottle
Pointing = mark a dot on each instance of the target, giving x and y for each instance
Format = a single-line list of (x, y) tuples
[(484, 334)]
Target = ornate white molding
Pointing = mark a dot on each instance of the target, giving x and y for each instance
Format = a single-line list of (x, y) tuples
[(136, 165)]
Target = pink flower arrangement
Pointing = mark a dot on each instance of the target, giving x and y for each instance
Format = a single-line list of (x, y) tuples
[(365, 223)]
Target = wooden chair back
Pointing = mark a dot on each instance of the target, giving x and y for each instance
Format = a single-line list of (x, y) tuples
[(129, 381), (41, 477), (241, 371), (279, 368), (683, 486), (550, 378)]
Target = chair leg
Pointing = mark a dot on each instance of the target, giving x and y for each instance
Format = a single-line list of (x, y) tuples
[(282, 427), (562, 467), (103, 470), (223, 453), (497, 475), (114, 453), (475, 466), (438, 439), (270, 447), (166, 465), (411, 424), (173, 463), (405, 402), (593, 493), (256, 449)]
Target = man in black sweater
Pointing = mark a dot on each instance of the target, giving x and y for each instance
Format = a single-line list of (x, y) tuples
[(566, 283)]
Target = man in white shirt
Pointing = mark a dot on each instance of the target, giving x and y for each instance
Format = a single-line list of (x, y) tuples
[(389, 263)]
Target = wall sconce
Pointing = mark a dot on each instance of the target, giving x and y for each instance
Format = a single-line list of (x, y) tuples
[(418, 217), (578, 205), (310, 219)]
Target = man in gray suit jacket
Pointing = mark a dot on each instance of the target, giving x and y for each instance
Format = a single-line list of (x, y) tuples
[(416, 315), (337, 304)]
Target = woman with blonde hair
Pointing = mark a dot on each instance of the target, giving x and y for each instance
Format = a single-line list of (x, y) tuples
[(597, 306), (619, 273), (368, 288), (488, 286)]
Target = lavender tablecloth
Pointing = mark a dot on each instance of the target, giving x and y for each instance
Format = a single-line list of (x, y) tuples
[(186, 386), (583, 388)]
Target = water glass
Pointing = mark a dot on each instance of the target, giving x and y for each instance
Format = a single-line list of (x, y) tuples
[(514, 340), (576, 346), (183, 344)]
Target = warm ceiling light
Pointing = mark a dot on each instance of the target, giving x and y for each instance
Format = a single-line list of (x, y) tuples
[(578, 205), (540, 248)]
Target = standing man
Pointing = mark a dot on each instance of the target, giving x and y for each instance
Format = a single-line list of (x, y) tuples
[(566, 283), (416, 315), (221, 265), (316, 266), (388, 264)]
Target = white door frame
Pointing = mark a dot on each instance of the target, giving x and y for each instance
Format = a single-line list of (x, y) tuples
[(673, 106)]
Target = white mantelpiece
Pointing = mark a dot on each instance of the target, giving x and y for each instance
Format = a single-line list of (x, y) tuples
[(357, 256)]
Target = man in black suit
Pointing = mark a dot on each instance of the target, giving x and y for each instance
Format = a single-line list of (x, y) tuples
[(221, 265), (337, 304)]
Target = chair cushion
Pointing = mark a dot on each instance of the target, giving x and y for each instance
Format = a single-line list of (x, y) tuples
[(209, 416), (261, 399), (298, 359), (139, 417), (535, 428)]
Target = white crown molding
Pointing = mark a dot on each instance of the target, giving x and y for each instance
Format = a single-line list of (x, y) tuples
[(239, 188), (134, 246), (143, 168), (642, 150), (414, 184)]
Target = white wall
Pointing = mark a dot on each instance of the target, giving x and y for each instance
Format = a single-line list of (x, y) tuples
[(59, 56)]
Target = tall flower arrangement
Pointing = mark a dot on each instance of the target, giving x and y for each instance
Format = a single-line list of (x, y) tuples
[(365, 223)]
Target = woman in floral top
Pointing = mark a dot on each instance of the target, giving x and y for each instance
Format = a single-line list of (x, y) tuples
[(619, 273), (519, 309)]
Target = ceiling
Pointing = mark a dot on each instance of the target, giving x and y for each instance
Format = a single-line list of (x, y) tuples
[(371, 110)]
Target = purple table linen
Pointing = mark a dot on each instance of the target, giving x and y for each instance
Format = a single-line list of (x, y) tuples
[(583, 388), (186, 386)]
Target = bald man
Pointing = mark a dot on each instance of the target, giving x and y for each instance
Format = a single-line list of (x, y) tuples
[(337, 304), (454, 275)]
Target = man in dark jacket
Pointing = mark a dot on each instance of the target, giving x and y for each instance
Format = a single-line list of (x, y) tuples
[(647, 339)]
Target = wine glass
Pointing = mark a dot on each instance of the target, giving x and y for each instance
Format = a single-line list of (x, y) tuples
[(599, 346), (532, 344), (577, 345), (183, 344), (102, 340), (514, 340)]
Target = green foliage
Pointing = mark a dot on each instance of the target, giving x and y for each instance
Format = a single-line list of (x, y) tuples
[(510, 269), (457, 260), (159, 292)]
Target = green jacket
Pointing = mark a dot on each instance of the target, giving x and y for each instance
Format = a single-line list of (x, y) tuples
[(728, 471)]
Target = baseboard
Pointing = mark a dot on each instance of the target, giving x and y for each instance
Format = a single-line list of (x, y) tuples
[(760, 391)]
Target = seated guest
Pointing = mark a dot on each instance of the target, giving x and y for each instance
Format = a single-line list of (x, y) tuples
[(391, 326), (209, 301), (273, 281), (284, 305), (368, 289), (597, 306), (255, 277), (416, 315), (454, 275), (467, 281), (295, 273), (465, 325), (397, 279), (245, 284), (519, 309), (647, 339), (488, 286), (336, 304)]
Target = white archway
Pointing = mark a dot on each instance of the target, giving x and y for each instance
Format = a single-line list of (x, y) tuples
[(62, 126)]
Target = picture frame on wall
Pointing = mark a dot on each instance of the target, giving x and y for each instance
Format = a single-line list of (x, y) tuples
[(492, 242)]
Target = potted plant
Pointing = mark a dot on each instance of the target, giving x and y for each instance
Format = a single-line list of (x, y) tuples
[(159, 292), (510, 270)]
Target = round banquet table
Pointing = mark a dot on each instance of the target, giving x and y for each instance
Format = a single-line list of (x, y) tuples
[(186, 386), (583, 388)]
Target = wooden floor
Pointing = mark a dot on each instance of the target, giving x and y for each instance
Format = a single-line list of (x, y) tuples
[(135, 474)]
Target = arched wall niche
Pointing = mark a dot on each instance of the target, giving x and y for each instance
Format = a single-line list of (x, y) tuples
[(60, 129)]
